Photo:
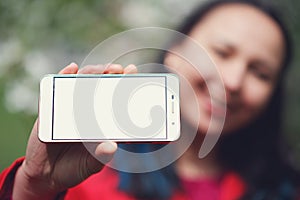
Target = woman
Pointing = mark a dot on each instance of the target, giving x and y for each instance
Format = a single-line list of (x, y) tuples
[(251, 49)]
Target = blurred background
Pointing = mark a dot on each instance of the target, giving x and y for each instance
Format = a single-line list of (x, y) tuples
[(41, 37)]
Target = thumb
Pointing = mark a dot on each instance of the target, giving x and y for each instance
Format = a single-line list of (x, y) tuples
[(105, 151)]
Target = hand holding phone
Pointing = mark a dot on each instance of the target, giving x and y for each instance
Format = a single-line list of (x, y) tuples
[(50, 168)]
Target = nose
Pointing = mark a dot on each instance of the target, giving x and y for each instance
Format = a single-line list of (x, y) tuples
[(233, 75)]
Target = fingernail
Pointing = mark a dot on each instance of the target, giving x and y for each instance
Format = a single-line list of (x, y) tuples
[(72, 63), (108, 147)]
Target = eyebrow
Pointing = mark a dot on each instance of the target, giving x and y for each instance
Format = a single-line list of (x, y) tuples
[(228, 45)]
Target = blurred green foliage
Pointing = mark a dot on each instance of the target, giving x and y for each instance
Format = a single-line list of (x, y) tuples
[(73, 28), (48, 23), (70, 26)]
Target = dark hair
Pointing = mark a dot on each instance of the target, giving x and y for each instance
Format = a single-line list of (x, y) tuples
[(260, 158)]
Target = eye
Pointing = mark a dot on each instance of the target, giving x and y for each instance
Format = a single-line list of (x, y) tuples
[(261, 72), (221, 52)]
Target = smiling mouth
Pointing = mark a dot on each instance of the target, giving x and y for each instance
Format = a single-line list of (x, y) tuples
[(215, 104), (215, 107), (218, 109)]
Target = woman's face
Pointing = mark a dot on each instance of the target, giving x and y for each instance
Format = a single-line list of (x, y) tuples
[(247, 48)]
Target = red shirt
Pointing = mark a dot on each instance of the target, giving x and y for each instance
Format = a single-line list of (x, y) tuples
[(104, 186)]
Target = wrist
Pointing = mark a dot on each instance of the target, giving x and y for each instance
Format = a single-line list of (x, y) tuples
[(26, 187)]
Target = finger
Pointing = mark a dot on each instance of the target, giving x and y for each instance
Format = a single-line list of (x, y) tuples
[(113, 69), (70, 69), (130, 69), (105, 151), (92, 69)]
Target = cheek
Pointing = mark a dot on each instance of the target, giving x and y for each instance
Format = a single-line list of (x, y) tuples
[(190, 81), (256, 96), (253, 100), (179, 66)]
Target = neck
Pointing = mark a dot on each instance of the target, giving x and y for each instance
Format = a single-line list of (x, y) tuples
[(191, 167)]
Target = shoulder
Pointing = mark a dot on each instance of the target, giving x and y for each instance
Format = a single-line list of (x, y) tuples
[(232, 186), (105, 184)]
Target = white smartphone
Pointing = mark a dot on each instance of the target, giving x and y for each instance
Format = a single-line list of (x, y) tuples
[(117, 107)]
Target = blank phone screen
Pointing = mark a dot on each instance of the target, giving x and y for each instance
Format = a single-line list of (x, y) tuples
[(109, 108)]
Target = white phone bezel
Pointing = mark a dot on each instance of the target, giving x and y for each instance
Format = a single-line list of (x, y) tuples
[(46, 107)]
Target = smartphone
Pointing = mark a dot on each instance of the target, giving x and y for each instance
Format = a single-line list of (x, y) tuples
[(117, 107)]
